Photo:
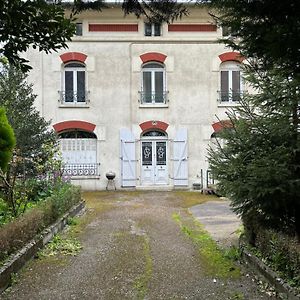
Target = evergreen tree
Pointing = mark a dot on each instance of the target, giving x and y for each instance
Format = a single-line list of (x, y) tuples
[(259, 166), (31, 130), (7, 141)]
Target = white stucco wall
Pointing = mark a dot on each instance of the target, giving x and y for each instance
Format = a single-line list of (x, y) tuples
[(114, 80)]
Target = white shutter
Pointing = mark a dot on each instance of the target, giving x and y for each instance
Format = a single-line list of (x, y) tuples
[(128, 173), (180, 158)]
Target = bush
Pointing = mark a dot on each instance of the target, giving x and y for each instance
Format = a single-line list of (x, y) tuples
[(17, 233), (277, 249)]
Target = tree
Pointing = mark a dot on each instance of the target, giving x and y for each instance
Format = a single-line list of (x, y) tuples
[(7, 141), (44, 25), (35, 142), (259, 166)]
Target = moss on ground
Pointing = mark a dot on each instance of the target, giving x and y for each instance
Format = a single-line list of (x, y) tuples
[(214, 261), (141, 284), (188, 199)]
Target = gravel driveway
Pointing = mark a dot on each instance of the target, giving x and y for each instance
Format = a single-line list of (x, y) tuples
[(132, 249)]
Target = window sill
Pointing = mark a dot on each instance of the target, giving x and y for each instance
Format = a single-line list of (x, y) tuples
[(228, 104), (154, 105), (74, 105)]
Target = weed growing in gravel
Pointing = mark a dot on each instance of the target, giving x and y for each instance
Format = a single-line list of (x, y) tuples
[(215, 261), (141, 283), (59, 245)]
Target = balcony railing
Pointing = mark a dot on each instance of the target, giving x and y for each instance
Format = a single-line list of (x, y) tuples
[(71, 97), (74, 170), (153, 97), (229, 96)]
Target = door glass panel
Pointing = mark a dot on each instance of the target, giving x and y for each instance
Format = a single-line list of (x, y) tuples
[(69, 92), (147, 87), (146, 153), (224, 86), (159, 87), (80, 86), (161, 153)]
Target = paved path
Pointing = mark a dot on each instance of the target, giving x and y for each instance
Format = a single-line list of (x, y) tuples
[(132, 249), (219, 220)]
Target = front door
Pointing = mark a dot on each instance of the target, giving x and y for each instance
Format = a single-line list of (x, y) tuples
[(154, 162)]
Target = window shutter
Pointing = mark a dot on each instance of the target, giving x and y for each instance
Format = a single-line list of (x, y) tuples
[(180, 158), (128, 161)]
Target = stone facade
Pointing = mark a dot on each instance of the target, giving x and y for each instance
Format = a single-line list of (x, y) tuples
[(148, 104)]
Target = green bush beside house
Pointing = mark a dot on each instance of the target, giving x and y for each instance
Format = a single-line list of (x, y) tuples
[(15, 234)]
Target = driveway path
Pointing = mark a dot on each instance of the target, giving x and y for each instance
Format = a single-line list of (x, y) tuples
[(133, 248)]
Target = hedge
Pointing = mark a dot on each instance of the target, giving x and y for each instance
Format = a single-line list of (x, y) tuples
[(17, 233)]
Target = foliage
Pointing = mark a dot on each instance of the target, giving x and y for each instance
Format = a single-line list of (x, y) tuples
[(19, 231), (7, 140), (264, 30), (44, 25), (34, 166), (281, 252), (59, 245), (259, 166)]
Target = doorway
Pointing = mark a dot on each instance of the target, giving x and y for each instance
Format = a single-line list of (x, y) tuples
[(154, 154)]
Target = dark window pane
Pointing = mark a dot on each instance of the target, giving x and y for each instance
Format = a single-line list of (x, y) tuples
[(148, 29), (161, 153), (157, 29), (146, 153), (153, 65), (147, 92), (159, 87), (69, 83), (236, 84), (74, 65), (224, 86), (80, 86), (78, 29)]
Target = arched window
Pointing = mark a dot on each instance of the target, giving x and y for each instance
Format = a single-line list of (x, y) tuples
[(153, 83), (154, 133), (230, 81), (74, 83), (79, 152)]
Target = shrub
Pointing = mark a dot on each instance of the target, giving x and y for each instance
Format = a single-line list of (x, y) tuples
[(18, 232), (280, 251)]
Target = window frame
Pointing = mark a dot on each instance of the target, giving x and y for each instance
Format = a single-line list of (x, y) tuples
[(230, 95), (153, 70), (153, 29), (81, 67)]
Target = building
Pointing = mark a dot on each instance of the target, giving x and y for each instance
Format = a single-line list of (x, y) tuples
[(137, 99)]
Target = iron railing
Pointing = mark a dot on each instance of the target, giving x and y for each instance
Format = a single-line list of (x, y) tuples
[(153, 97), (229, 96), (74, 170), (72, 97)]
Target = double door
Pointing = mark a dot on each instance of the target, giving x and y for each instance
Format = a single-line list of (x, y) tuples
[(154, 162)]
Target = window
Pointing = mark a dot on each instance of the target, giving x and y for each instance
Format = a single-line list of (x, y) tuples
[(74, 84), (152, 29), (78, 30), (153, 84), (231, 82), (79, 153)]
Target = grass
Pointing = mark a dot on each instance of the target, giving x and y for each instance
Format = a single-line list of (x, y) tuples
[(188, 199), (142, 282), (61, 245), (215, 262)]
